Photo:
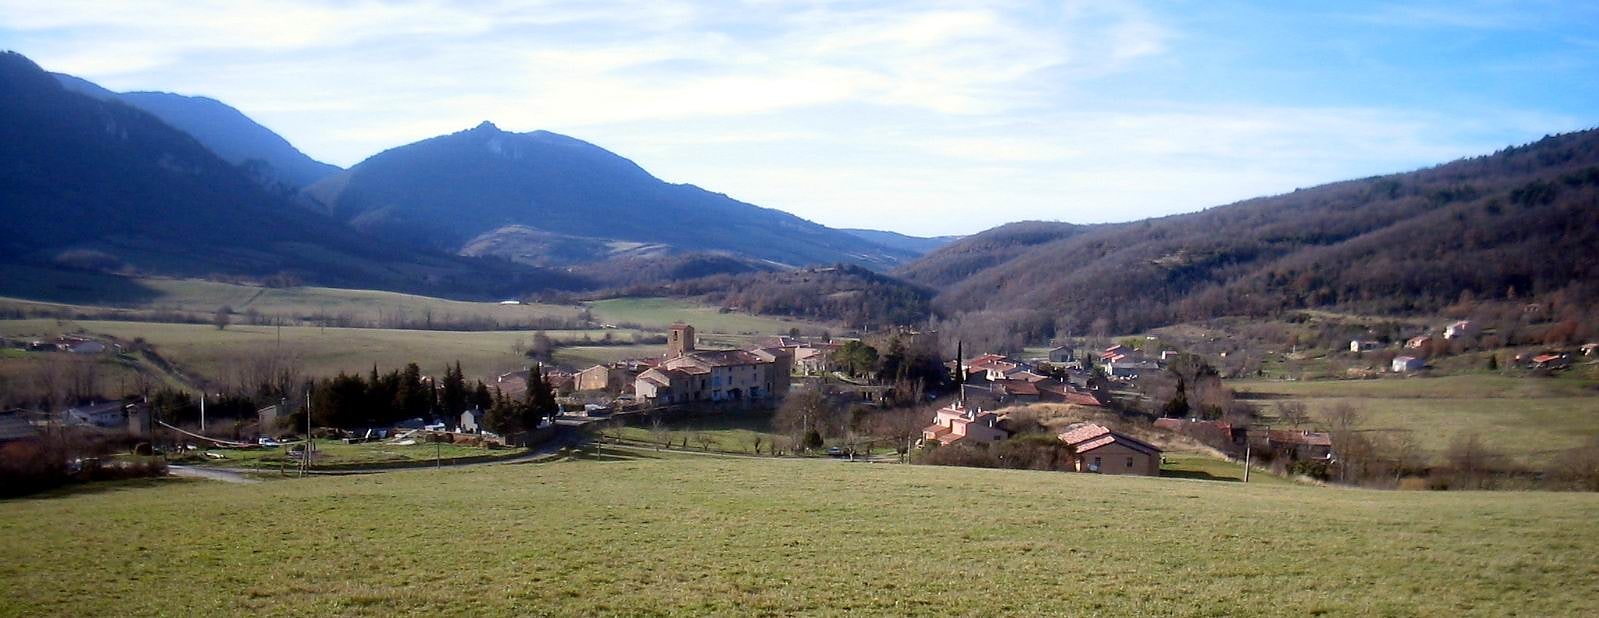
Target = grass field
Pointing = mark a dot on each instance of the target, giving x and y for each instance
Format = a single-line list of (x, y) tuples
[(658, 313), (628, 534), (81, 290), (205, 350), (335, 452), (1529, 418)]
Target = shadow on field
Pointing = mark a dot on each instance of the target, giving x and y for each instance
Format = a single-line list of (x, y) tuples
[(606, 454), (1197, 475), (1254, 396), (95, 487)]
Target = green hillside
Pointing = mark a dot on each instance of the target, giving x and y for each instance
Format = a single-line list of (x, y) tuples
[(620, 535)]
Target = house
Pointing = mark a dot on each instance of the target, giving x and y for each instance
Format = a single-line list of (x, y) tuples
[(14, 427), (1066, 392), (1095, 448), (957, 423), (1363, 345), (1550, 361), (107, 415), (814, 359), (608, 378), (1460, 330), (86, 347), (1298, 445), (1021, 391), (471, 421), (1418, 343), (1128, 367), (1407, 364), (690, 374), (1062, 354)]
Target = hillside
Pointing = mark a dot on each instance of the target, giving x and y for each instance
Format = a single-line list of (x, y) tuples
[(96, 184), (222, 129), (671, 534), (919, 245), (502, 193), (850, 295), (963, 258), (1518, 224)]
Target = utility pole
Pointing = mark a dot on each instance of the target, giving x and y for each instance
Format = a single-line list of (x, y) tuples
[(305, 453), (1246, 460)]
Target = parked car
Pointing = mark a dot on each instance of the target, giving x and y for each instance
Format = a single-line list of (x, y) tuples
[(268, 442)]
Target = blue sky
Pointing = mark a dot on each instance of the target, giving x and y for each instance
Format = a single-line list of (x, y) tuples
[(918, 117)]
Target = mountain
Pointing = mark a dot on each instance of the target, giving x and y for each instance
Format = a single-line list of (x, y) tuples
[(1520, 224), (919, 245), (96, 183), (224, 130), (482, 189)]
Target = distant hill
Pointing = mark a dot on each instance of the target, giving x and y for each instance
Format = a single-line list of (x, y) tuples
[(224, 130), (919, 245), (95, 183), (847, 294), (960, 259), (486, 190), (1521, 223)]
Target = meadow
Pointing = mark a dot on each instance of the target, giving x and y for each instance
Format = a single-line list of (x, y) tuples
[(629, 533), (208, 351), (1527, 418), (658, 313), (82, 291)]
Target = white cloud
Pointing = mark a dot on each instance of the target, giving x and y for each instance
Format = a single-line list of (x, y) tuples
[(917, 116)]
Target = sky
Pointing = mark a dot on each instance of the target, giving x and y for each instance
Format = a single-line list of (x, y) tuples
[(913, 116)]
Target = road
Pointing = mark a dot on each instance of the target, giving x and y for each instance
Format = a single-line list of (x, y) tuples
[(211, 474)]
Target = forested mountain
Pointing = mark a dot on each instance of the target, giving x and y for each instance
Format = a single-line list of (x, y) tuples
[(485, 188), (919, 245), (956, 261), (1522, 223), (94, 183), (224, 130)]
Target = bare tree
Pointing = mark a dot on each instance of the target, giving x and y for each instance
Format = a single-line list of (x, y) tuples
[(755, 443), (222, 317), (1470, 461), (1291, 413), (662, 436), (705, 440)]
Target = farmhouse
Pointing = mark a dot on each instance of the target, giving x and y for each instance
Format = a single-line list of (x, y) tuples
[(1095, 448), (1407, 364), (1061, 354), (1418, 343), (689, 374), (957, 423), (1550, 361), (609, 378), (1363, 345), (1461, 329)]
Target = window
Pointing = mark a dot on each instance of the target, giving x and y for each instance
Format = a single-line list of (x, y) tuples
[(1129, 462), (1096, 463)]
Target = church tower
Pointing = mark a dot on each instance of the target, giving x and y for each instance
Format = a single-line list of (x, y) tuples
[(679, 340)]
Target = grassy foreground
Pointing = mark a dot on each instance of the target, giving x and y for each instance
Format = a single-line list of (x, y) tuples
[(621, 534)]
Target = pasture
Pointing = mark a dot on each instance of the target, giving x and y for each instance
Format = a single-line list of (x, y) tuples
[(81, 291), (659, 313), (629, 533), (1527, 418)]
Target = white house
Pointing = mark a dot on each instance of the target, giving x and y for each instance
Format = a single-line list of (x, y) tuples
[(1407, 364)]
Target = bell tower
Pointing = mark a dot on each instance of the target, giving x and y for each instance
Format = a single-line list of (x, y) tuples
[(679, 340)]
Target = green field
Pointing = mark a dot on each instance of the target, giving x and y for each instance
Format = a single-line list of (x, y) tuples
[(322, 351), (658, 313), (630, 534), (80, 290), (335, 452), (1527, 418)]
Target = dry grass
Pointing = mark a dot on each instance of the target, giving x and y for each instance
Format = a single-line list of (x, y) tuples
[(630, 535)]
